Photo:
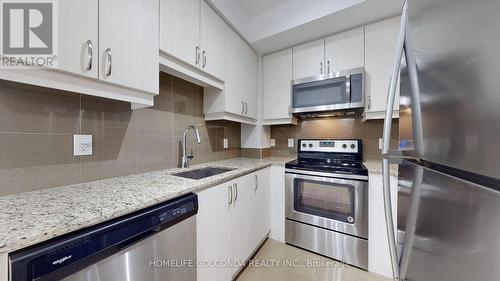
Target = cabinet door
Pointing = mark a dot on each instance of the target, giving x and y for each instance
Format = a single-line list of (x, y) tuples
[(239, 224), (128, 43), (308, 59), (213, 231), (380, 44), (276, 79), (345, 50), (78, 35), (180, 29), (250, 81), (249, 214), (264, 199), (233, 88), (213, 42)]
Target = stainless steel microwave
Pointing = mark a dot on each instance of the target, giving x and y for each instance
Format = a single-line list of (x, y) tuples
[(340, 92)]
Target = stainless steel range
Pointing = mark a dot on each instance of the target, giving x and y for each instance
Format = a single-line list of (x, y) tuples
[(327, 200)]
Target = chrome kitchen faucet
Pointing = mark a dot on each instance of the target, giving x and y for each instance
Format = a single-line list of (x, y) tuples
[(185, 158)]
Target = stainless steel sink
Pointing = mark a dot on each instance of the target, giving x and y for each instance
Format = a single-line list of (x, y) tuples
[(202, 173)]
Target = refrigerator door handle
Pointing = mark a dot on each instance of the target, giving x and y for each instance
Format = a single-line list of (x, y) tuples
[(411, 220), (386, 145)]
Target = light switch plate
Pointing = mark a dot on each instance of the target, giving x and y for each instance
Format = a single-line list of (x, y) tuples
[(290, 142), (82, 145), (273, 142), (225, 143), (380, 143)]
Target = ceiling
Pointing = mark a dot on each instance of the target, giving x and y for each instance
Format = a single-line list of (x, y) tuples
[(255, 7), (272, 25)]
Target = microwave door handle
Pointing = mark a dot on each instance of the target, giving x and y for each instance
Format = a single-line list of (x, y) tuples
[(348, 87), (386, 145)]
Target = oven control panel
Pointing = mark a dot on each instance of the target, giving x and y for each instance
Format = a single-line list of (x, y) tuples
[(336, 146)]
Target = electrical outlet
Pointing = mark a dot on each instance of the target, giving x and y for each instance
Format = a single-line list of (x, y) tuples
[(82, 145), (273, 142), (225, 143), (291, 142), (380, 143)]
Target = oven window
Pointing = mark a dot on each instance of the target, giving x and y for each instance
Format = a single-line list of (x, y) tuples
[(324, 199)]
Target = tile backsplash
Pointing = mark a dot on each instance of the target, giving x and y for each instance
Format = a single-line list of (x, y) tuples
[(37, 126), (336, 127)]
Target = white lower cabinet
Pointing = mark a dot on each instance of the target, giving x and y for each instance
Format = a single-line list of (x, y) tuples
[(213, 232), (379, 259), (232, 221)]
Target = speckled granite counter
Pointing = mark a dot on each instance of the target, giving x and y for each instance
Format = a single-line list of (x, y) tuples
[(375, 166), (32, 217)]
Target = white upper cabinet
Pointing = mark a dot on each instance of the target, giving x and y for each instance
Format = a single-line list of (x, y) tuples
[(180, 29), (380, 44), (78, 37), (232, 89), (106, 48), (238, 100), (345, 50), (128, 43), (308, 59), (213, 38), (276, 83), (192, 38), (249, 71)]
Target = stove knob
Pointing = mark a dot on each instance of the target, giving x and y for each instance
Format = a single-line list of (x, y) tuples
[(353, 146), (303, 145), (310, 145), (344, 146)]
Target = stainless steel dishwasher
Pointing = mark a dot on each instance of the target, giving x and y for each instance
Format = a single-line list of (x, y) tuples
[(154, 244)]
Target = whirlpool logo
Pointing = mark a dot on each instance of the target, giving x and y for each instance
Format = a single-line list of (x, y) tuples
[(29, 34), (61, 260)]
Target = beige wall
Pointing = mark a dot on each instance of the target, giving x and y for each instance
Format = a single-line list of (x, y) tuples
[(335, 127), (37, 127)]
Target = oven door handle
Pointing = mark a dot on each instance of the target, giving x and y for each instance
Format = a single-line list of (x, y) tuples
[(322, 179)]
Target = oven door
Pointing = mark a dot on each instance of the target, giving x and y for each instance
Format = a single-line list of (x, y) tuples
[(336, 204)]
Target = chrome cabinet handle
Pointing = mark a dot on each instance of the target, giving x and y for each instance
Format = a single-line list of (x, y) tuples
[(369, 102), (256, 181), (246, 108), (204, 59), (197, 55), (290, 110), (321, 67), (328, 66), (90, 50), (235, 186), (230, 195), (109, 56), (242, 107)]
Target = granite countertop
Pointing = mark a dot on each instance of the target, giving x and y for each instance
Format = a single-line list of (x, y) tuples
[(32, 217), (375, 166)]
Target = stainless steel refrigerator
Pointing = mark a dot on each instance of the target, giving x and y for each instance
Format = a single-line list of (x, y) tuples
[(448, 218)]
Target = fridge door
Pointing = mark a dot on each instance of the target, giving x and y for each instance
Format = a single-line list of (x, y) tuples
[(448, 228), (455, 45)]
